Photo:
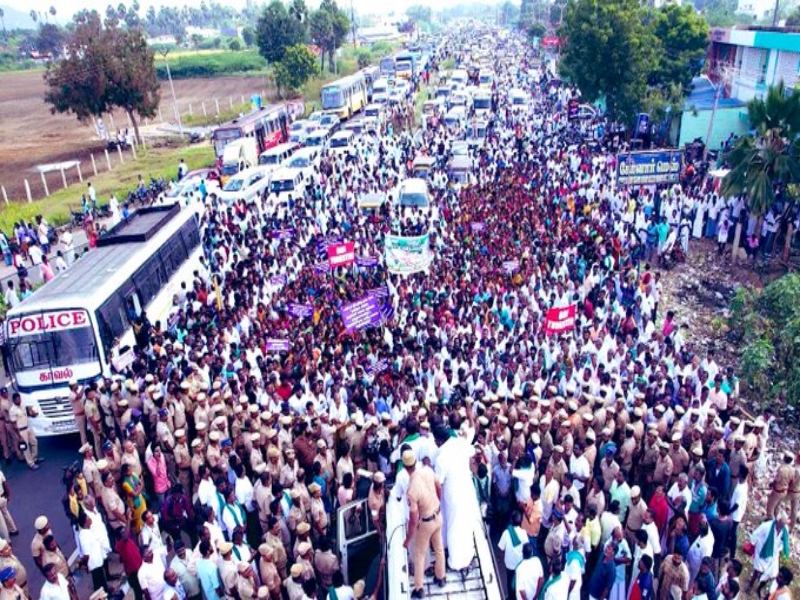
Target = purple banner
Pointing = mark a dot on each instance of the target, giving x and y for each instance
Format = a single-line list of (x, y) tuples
[(511, 266), (283, 234), (362, 313), (379, 367), (379, 292), (275, 345), (369, 262), (322, 268), (278, 279), (387, 311), (300, 310), (477, 226), (322, 244)]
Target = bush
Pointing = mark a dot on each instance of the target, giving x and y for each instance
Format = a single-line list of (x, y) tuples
[(211, 64), (363, 58), (235, 45), (768, 325)]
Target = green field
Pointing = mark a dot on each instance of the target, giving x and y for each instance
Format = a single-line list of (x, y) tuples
[(153, 162), (209, 63), (163, 161)]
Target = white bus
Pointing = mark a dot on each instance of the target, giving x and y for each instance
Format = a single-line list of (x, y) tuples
[(81, 322)]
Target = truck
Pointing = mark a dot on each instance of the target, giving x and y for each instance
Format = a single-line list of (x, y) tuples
[(237, 156), (405, 65), (379, 559)]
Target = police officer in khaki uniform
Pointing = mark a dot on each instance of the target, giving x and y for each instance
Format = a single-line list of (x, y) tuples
[(94, 420), (738, 455), (228, 573), (7, 559), (274, 541), (76, 401), (425, 520), (6, 439), (780, 485), (90, 471), (662, 473), (294, 584), (28, 443), (325, 563), (794, 491), (246, 582), (183, 461), (267, 571)]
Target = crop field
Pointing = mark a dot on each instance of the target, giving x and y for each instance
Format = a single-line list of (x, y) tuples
[(31, 135)]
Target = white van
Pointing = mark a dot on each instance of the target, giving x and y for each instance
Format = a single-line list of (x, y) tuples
[(459, 77), (518, 99), (287, 184), (377, 111), (413, 193), (380, 90), (455, 118), (247, 185), (304, 159), (318, 138), (275, 157), (342, 142)]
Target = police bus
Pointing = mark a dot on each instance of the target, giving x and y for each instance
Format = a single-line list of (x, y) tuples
[(79, 326)]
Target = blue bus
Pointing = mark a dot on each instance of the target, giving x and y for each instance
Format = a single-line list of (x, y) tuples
[(387, 66)]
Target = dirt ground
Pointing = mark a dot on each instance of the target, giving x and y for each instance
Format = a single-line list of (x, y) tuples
[(31, 135)]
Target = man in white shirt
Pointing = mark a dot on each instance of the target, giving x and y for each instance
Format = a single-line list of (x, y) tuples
[(56, 586), (530, 576), (739, 497), (150, 536), (11, 297), (511, 544), (151, 576), (343, 592)]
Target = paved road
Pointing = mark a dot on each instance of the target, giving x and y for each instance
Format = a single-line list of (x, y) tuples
[(35, 493)]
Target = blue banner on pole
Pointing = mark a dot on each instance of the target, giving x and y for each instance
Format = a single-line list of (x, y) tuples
[(650, 167)]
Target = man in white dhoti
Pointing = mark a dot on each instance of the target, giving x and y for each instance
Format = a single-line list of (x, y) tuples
[(460, 509), (771, 539)]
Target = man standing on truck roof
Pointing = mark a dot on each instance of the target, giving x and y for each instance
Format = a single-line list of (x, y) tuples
[(425, 520)]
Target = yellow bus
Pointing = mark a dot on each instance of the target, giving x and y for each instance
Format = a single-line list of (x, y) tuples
[(346, 96)]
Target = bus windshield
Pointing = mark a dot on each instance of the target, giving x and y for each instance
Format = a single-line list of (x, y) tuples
[(45, 357), (482, 103), (387, 65), (404, 65), (332, 98), (221, 137)]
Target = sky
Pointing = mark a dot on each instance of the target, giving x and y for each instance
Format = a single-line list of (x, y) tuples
[(66, 8)]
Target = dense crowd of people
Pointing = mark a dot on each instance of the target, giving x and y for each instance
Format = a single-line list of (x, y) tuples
[(611, 458)]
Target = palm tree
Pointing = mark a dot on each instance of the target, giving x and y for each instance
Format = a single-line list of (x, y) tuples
[(52, 11), (34, 16), (3, 23), (769, 157)]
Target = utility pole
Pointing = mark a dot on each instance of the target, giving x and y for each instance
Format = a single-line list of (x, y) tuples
[(172, 88), (775, 14), (353, 24)]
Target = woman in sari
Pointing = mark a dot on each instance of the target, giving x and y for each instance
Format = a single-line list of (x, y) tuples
[(133, 488)]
